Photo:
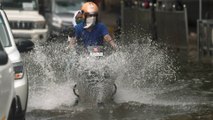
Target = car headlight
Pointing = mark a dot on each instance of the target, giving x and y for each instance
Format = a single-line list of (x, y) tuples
[(19, 70), (39, 25), (56, 21)]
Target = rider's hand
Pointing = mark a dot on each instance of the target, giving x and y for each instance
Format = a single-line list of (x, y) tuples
[(114, 46), (69, 48)]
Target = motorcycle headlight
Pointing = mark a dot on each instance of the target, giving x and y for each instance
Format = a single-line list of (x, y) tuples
[(19, 70), (57, 22), (39, 25)]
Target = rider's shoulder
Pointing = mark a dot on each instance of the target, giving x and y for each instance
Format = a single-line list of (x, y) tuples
[(79, 25), (102, 25)]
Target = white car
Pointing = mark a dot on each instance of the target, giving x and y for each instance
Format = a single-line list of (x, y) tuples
[(21, 81), (25, 20), (7, 93)]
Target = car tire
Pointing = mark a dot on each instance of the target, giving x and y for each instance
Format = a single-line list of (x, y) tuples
[(12, 111)]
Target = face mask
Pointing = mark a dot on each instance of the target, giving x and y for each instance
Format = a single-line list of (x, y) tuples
[(90, 21)]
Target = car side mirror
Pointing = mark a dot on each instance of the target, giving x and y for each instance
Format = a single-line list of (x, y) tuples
[(3, 58), (24, 45)]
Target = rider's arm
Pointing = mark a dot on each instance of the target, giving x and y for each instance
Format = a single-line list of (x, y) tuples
[(72, 42), (71, 39), (109, 39)]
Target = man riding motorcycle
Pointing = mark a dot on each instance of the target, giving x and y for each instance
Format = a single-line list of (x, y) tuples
[(90, 32), (87, 34)]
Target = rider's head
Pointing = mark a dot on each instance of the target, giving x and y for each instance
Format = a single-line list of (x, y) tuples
[(90, 14)]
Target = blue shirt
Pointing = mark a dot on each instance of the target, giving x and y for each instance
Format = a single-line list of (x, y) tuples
[(93, 37)]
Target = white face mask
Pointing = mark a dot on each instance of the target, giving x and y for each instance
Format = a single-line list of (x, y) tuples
[(90, 21)]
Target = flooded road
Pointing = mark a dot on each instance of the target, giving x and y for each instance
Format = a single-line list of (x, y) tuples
[(152, 85)]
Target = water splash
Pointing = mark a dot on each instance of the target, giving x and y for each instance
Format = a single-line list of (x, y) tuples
[(135, 66), (49, 86), (146, 64)]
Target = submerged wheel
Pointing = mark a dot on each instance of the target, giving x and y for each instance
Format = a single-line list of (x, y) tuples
[(74, 90), (115, 90)]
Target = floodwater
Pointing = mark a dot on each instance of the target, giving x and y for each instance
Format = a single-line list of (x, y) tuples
[(152, 84)]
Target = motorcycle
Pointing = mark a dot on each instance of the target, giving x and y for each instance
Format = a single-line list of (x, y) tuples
[(96, 86)]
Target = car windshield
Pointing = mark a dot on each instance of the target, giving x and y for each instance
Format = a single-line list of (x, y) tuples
[(3, 34), (28, 5), (64, 6)]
